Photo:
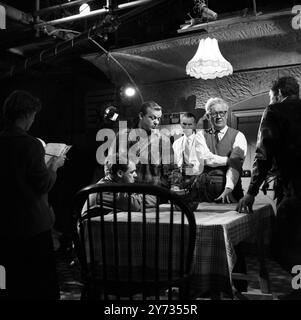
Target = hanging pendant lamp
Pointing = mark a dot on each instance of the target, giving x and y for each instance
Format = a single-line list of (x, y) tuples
[(208, 62)]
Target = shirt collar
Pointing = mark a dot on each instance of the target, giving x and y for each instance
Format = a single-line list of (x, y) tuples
[(190, 138), (224, 130)]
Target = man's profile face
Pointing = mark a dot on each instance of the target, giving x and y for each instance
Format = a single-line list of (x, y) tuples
[(188, 125), (218, 116), (273, 97), (130, 175), (151, 119)]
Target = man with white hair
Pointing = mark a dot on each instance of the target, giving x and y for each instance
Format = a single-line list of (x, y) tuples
[(230, 145), (221, 179)]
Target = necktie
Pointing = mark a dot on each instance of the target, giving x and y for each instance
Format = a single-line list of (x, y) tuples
[(186, 151), (216, 136)]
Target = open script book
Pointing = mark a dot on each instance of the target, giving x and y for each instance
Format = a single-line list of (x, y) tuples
[(55, 150)]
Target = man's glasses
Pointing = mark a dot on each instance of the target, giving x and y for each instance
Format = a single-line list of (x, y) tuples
[(216, 114)]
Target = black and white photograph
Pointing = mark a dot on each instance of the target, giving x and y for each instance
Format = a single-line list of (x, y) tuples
[(150, 153)]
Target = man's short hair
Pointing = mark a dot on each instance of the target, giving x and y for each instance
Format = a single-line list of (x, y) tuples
[(149, 104), (20, 104), (119, 163), (188, 115), (213, 101), (287, 85)]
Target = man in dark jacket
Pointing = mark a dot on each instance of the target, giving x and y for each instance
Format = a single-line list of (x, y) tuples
[(121, 172), (26, 249), (279, 147)]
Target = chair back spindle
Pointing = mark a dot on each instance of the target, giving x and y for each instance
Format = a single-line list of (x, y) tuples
[(128, 254)]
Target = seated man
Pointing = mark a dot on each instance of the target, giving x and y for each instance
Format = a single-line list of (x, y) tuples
[(121, 173), (222, 172)]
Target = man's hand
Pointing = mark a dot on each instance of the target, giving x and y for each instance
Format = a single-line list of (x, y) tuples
[(178, 191), (226, 197), (174, 188), (245, 204), (56, 162)]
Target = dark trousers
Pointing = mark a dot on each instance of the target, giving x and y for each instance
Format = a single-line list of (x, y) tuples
[(286, 237), (30, 268)]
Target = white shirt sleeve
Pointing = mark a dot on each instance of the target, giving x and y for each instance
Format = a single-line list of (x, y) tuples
[(203, 152), (232, 177), (176, 152), (240, 148)]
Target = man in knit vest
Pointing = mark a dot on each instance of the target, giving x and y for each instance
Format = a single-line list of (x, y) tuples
[(222, 182), (221, 179)]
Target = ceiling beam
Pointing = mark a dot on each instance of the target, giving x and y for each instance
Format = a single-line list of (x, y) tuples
[(17, 15), (28, 19), (108, 25), (59, 7), (94, 13)]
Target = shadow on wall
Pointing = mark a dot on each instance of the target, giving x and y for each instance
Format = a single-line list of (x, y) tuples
[(186, 104), (189, 105)]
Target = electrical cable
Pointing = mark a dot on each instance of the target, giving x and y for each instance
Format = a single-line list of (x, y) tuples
[(120, 65)]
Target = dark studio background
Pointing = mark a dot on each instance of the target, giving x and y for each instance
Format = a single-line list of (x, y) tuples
[(62, 84)]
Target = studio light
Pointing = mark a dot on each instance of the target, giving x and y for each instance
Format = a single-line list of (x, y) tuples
[(84, 9), (129, 91), (202, 10)]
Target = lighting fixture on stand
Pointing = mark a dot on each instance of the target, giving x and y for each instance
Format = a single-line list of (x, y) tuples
[(208, 62), (84, 9), (202, 10)]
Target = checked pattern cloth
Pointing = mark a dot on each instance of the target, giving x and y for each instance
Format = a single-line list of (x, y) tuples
[(219, 229)]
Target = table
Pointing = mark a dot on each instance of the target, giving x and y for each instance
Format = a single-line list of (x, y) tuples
[(219, 229)]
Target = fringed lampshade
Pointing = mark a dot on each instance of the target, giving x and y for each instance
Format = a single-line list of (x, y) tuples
[(208, 62)]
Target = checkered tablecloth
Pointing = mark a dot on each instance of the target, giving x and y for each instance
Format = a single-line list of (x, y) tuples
[(219, 229)]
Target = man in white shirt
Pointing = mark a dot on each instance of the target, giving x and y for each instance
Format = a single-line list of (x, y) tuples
[(223, 172), (189, 166), (184, 148), (224, 150)]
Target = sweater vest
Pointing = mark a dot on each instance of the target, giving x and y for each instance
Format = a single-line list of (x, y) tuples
[(223, 148)]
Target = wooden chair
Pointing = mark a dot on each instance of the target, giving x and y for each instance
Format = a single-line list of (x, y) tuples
[(133, 254)]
